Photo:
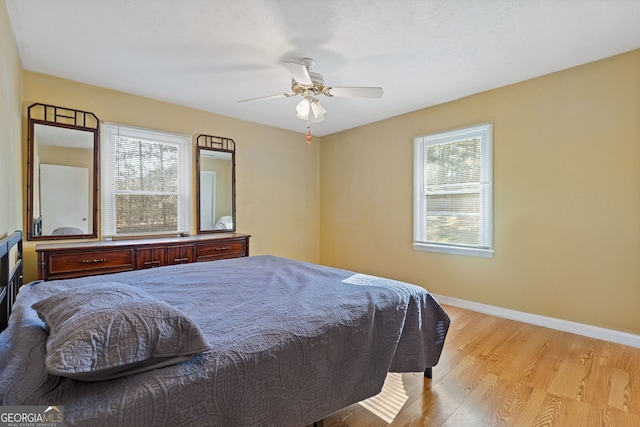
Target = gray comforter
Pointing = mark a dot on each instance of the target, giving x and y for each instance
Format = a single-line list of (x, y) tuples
[(289, 343)]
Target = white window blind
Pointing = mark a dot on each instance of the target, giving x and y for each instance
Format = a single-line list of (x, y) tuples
[(146, 181), (453, 192)]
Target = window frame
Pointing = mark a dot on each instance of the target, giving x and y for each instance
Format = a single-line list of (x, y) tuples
[(484, 131), (108, 192)]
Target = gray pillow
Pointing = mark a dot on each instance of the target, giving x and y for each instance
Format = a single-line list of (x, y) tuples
[(109, 330)]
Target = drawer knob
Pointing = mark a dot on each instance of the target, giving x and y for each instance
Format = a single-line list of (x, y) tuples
[(226, 248)]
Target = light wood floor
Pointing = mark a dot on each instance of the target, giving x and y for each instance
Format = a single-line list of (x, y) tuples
[(498, 372)]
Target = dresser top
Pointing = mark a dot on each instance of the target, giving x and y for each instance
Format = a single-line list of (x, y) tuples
[(139, 242)]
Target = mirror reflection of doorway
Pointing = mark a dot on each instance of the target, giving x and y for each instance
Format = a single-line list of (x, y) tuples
[(207, 200), (64, 198)]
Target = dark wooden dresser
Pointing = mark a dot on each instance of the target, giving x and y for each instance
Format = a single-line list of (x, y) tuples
[(69, 260)]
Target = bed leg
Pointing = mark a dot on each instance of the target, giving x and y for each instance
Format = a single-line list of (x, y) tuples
[(428, 373), (318, 423)]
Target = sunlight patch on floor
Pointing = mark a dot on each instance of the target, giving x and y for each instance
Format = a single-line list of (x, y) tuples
[(389, 401)]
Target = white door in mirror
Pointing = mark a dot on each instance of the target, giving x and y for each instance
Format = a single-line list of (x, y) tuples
[(64, 198), (207, 200)]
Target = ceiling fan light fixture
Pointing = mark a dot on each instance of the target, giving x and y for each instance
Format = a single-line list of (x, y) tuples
[(318, 110), (303, 108), (310, 109)]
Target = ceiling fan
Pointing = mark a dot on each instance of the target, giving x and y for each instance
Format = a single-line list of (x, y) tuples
[(309, 84)]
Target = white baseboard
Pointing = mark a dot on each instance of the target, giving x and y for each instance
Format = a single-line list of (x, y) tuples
[(632, 340)]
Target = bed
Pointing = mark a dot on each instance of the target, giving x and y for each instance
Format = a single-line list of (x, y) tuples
[(280, 342)]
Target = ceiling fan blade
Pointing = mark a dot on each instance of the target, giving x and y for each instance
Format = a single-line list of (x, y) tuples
[(280, 95), (356, 92), (299, 72)]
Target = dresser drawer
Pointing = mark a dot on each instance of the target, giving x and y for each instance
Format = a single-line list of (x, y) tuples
[(66, 261), (232, 248), (180, 254), (151, 257), (87, 263)]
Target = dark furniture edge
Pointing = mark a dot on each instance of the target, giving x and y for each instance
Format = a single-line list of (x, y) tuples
[(10, 275)]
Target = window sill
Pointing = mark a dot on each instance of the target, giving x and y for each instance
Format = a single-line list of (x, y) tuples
[(453, 250)]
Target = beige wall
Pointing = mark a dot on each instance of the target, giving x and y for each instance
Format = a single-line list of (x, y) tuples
[(277, 172), (566, 197), (10, 129)]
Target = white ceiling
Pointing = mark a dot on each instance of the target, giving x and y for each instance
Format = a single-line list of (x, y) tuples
[(209, 54)]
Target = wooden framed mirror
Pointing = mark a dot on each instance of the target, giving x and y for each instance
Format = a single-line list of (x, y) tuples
[(62, 173), (215, 184)]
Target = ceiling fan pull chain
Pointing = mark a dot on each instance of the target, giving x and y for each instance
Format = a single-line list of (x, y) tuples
[(308, 137)]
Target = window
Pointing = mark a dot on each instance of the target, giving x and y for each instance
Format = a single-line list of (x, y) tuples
[(146, 181), (452, 197)]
